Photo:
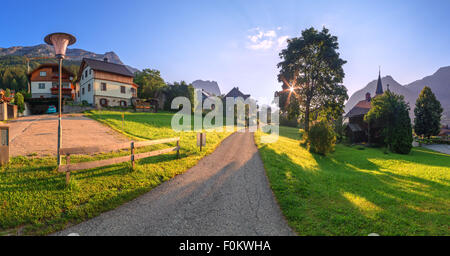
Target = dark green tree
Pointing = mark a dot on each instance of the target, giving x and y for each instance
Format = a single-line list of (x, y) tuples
[(178, 89), (392, 112), (150, 83), (19, 101), (427, 113), (311, 71)]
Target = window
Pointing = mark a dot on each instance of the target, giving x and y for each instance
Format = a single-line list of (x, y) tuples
[(90, 71), (122, 89), (42, 73), (78, 94), (104, 102), (41, 86), (103, 86), (133, 91), (82, 90), (89, 87), (85, 73), (123, 103)]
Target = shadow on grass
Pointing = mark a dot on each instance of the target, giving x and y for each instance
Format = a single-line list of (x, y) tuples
[(348, 194)]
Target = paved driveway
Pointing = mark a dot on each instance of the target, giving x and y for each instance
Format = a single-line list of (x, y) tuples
[(443, 148), (226, 193), (39, 134)]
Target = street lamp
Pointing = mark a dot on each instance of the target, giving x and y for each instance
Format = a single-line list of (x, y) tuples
[(60, 41)]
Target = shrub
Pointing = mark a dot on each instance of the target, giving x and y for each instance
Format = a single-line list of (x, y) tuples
[(19, 101), (321, 138)]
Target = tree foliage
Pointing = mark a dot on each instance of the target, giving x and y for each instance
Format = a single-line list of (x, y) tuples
[(313, 68), (390, 111), (178, 89), (427, 113), (150, 83)]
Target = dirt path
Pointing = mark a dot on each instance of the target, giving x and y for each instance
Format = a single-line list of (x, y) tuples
[(226, 193), (38, 134)]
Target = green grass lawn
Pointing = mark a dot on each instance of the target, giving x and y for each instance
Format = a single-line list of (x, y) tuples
[(357, 192), (35, 200)]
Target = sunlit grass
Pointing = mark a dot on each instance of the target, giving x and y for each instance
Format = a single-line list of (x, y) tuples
[(358, 192), (35, 200)]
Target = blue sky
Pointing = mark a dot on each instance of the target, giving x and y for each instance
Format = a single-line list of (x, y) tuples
[(236, 43)]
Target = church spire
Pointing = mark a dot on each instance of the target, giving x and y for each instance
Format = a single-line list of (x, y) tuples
[(379, 90)]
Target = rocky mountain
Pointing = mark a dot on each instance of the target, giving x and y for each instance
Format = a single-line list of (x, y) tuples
[(209, 86), (439, 83), (74, 55)]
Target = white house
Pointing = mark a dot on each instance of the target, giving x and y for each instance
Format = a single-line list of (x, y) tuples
[(102, 84)]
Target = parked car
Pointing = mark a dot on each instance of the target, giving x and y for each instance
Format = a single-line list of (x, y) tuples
[(51, 109)]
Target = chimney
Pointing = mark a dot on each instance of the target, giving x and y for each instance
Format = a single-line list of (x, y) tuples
[(368, 98), (105, 59)]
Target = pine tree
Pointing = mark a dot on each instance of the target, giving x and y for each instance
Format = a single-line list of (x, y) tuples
[(428, 114)]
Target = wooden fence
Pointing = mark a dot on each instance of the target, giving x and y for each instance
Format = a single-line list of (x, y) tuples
[(110, 148)]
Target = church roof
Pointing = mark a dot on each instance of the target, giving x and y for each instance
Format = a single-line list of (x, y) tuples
[(361, 108), (379, 90)]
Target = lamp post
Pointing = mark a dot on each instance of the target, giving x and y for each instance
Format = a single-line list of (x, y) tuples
[(60, 41)]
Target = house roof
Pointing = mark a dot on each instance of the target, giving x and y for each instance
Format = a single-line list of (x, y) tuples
[(444, 132), (235, 92), (361, 108), (355, 127), (356, 111), (50, 65), (106, 66)]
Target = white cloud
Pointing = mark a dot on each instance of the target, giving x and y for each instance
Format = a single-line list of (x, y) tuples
[(270, 33), (282, 41), (264, 40), (261, 45)]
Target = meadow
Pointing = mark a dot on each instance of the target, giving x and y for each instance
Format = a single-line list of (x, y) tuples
[(357, 190), (34, 199)]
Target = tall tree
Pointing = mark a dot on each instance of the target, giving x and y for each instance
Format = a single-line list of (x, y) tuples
[(427, 113), (150, 83), (391, 112), (312, 71)]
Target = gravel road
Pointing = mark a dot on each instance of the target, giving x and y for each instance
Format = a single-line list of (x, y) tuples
[(226, 193)]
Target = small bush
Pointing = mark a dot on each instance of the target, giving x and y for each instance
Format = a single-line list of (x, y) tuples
[(321, 138)]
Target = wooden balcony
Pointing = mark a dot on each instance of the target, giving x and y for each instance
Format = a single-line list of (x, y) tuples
[(65, 91)]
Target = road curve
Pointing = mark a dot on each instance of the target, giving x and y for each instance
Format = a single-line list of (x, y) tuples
[(226, 193)]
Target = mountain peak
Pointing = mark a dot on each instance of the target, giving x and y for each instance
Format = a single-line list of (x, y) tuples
[(44, 50), (441, 70)]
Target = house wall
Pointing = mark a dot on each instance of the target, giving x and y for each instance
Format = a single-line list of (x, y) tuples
[(37, 93), (113, 89), (85, 80)]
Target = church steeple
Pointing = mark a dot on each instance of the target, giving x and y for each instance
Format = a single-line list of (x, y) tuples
[(379, 90)]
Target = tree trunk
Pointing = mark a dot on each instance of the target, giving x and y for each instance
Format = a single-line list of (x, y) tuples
[(307, 116)]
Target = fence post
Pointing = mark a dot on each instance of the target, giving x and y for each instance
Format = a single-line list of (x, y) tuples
[(132, 155), (68, 170), (178, 148)]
